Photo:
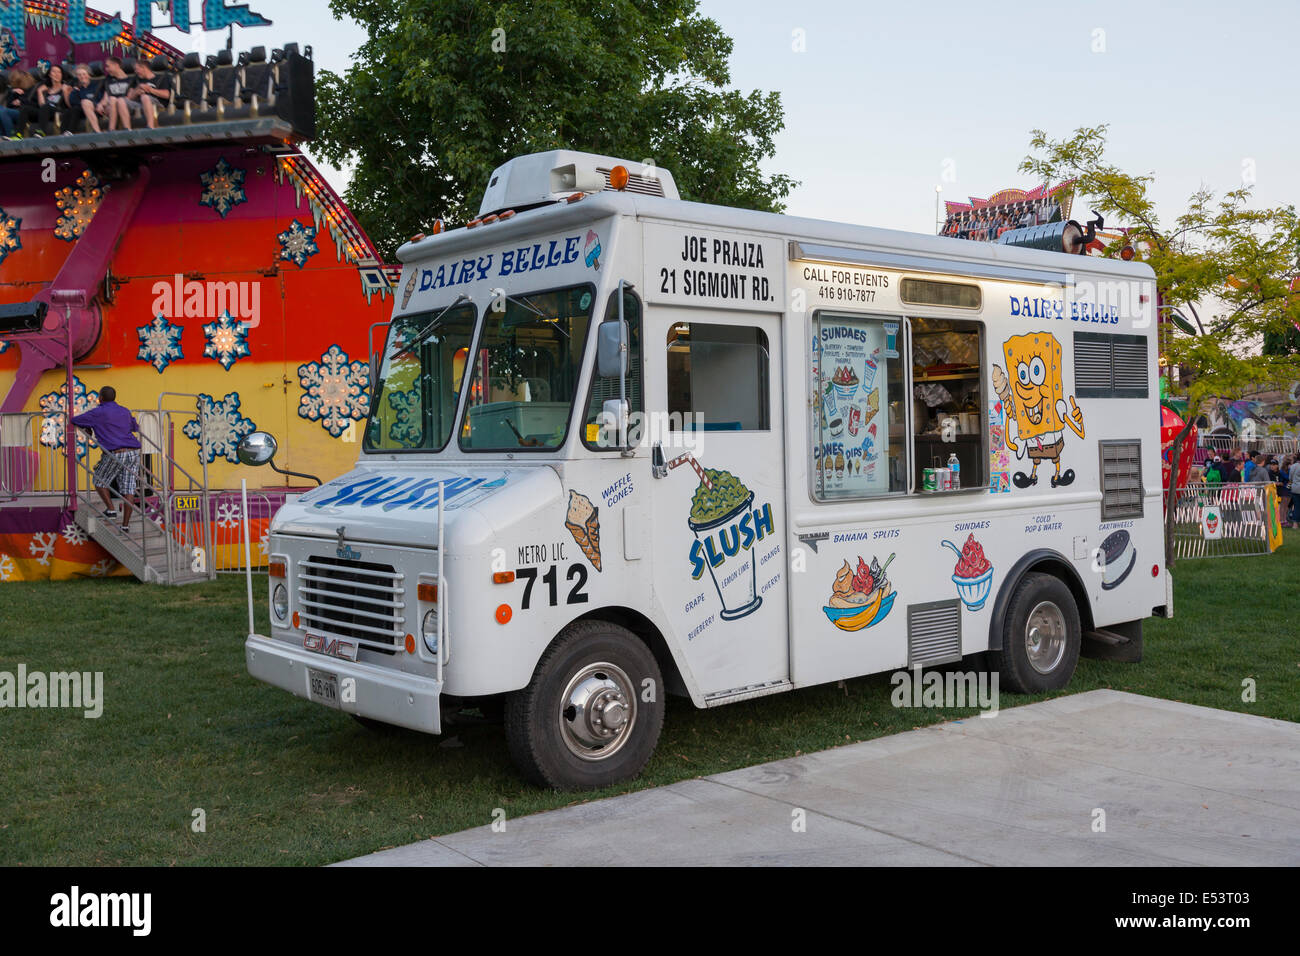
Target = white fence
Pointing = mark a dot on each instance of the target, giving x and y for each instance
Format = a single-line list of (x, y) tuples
[(1216, 520)]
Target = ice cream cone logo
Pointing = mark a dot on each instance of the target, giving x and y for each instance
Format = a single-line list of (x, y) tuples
[(409, 289), (583, 522), (591, 254)]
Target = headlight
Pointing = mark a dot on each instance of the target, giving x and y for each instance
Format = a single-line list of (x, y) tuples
[(280, 602), (429, 630)]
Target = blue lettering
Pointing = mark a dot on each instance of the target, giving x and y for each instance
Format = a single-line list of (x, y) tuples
[(507, 262), (711, 552), (763, 522), (351, 492), (553, 257), (484, 264), (747, 531), (539, 258), (571, 248), (730, 549), (697, 562)]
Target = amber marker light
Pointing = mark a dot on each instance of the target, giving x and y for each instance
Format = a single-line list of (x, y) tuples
[(295, 619), (618, 177), (504, 614), (503, 577), (473, 222), (410, 643), (427, 592), (488, 220), (276, 569), (436, 227)]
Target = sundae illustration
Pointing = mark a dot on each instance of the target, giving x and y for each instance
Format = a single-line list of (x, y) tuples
[(860, 598), (873, 405), (973, 574), (845, 381), (591, 253), (583, 522)]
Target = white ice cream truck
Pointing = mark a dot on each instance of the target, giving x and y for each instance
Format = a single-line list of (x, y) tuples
[(621, 444)]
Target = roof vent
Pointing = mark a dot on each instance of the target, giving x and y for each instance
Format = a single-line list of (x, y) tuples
[(541, 178)]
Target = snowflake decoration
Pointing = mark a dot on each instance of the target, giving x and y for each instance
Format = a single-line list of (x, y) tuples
[(42, 546), (10, 239), (227, 340), (77, 206), (53, 407), (297, 243), (101, 569), (228, 514), (9, 54), (336, 391), (405, 430), (221, 429), (73, 534), (223, 187), (7, 568), (264, 543), (160, 343)]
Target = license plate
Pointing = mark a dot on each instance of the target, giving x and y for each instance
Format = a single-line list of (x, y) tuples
[(323, 686)]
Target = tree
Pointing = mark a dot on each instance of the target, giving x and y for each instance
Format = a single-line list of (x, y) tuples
[(1218, 248), (444, 91)]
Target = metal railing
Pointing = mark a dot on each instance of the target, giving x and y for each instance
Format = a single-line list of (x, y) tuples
[(1207, 446), (1217, 520), (228, 518)]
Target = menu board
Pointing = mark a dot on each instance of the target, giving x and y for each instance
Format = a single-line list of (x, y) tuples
[(852, 455)]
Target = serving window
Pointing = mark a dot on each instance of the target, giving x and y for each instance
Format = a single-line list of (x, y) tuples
[(871, 437), (859, 447), (949, 407)]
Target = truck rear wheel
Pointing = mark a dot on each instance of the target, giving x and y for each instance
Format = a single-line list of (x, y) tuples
[(592, 713), (1041, 636)]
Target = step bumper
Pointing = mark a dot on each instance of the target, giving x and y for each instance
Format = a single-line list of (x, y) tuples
[(406, 700)]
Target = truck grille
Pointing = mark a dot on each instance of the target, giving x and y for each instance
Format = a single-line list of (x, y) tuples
[(354, 599)]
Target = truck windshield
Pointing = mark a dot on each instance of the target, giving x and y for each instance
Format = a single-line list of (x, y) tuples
[(526, 370), (425, 359)]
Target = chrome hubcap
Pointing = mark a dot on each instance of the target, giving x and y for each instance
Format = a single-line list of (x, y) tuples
[(597, 711), (1045, 637)]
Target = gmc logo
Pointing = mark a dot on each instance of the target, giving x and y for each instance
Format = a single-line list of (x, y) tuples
[(331, 647)]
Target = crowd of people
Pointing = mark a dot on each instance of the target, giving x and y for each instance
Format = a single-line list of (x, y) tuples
[(1260, 469), (127, 93), (987, 223)]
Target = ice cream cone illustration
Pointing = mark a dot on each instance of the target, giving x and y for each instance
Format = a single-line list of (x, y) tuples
[(1003, 387), (583, 522), (409, 289)]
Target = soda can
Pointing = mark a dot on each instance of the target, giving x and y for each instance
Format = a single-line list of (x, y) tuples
[(928, 480), (943, 479)]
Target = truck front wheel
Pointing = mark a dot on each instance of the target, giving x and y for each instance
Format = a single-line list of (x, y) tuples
[(1040, 642), (592, 713)]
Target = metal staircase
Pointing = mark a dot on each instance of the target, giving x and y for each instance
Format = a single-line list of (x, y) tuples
[(169, 540)]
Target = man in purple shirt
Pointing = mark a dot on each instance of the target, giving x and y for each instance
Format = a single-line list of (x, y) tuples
[(113, 426)]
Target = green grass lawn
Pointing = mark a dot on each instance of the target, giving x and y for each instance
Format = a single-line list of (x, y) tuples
[(284, 781)]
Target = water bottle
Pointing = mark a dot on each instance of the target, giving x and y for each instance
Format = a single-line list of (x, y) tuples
[(955, 467)]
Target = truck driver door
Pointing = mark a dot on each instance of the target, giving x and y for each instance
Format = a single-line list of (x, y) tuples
[(719, 502)]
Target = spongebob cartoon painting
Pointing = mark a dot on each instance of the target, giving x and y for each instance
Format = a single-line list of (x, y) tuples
[(1033, 390)]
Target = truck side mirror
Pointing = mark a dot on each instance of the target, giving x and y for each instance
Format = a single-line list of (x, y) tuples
[(611, 349), (256, 448)]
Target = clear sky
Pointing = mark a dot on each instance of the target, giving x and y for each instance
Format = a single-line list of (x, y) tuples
[(886, 99)]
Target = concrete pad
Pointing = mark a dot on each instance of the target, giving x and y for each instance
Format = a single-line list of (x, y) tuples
[(1179, 785)]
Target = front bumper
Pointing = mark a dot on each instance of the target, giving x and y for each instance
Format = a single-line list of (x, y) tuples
[(393, 697)]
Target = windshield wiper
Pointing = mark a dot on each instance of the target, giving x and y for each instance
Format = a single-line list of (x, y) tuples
[(415, 342), (525, 303)]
